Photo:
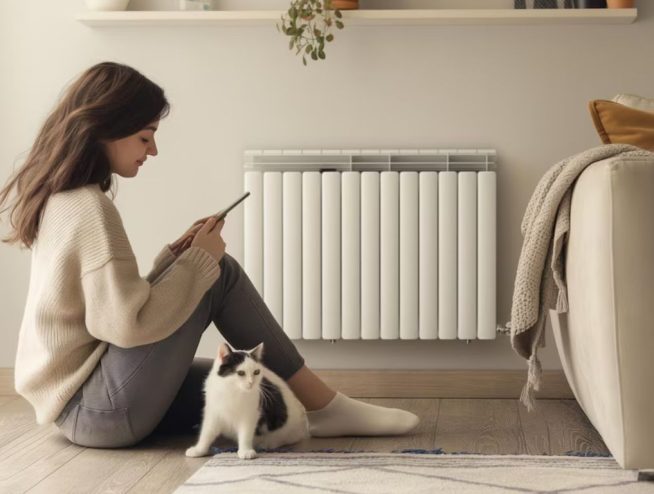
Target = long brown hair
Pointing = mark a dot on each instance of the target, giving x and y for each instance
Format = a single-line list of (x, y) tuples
[(107, 101)]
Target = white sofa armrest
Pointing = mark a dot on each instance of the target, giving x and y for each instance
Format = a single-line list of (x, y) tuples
[(606, 340)]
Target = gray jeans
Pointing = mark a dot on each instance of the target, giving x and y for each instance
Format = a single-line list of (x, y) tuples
[(158, 387)]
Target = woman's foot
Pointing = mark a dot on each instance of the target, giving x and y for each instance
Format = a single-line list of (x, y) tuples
[(344, 416), (331, 413)]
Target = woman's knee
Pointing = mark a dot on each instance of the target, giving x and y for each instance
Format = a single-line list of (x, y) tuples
[(227, 262), (232, 274)]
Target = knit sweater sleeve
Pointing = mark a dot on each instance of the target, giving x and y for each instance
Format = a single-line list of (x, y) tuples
[(164, 259), (126, 310)]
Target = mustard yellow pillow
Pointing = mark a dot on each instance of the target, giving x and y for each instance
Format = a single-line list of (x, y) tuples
[(620, 124)]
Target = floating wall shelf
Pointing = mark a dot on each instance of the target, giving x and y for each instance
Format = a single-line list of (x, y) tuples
[(405, 17)]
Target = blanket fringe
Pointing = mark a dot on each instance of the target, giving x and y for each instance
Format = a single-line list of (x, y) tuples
[(527, 397)]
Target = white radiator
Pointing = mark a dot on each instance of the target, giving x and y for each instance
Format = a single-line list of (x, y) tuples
[(374, 244)]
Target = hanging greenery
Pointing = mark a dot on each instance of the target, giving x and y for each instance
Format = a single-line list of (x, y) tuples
[(308, 23)]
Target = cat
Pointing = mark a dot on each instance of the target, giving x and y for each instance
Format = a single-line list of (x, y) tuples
[(248, 403)]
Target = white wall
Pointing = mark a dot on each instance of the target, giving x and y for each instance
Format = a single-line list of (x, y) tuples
[(520, 89)]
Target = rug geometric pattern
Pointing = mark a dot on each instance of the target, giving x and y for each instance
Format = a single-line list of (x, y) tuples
[(417, 473)]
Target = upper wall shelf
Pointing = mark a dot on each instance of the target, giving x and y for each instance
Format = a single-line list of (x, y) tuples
[(403, 17)]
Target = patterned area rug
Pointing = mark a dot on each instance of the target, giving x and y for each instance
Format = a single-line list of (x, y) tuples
[(410, 471)]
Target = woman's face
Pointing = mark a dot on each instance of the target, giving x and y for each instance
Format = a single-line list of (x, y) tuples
[(127, 154)]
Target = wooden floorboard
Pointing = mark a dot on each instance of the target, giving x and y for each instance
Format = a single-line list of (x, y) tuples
[(39, 459), (567, 425), (16, 419), (479, 427), (172, 469)]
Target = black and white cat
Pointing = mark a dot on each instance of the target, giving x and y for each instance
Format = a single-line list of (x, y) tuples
[(247, 402)]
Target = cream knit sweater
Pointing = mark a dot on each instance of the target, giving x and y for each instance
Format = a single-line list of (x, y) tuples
[(85, 292)]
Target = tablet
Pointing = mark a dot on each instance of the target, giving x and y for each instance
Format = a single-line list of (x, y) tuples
[(219, 216)]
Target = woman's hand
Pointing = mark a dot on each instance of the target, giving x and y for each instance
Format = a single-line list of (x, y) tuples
[(203, 220), (185, 241), (209, 238)]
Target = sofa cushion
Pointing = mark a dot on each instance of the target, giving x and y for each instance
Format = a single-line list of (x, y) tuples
[(620, 124)]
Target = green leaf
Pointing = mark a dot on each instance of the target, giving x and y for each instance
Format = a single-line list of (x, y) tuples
[(310, 16)]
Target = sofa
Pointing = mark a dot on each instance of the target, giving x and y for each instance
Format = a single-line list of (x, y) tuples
[(606, 339)]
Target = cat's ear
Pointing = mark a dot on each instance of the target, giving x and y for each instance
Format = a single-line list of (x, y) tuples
[(257, 352), (223, 350)]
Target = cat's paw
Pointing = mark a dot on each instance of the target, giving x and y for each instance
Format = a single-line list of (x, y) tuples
[(195, 452), (247, 454)]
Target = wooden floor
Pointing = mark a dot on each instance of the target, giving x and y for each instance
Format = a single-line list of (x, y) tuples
[(39, 459)]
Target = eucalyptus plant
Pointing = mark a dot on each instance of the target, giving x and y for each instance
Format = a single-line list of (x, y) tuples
[(308, 23)]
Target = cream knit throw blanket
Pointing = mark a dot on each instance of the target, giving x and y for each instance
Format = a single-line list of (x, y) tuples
[(545, 229)]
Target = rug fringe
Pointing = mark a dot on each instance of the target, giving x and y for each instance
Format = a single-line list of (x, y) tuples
[(437, 451), (216, 450), (588, 453)]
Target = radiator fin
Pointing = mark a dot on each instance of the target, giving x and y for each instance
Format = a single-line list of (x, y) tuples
[(374, 246)]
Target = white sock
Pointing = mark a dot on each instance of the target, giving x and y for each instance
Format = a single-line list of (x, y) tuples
[(344, 416)]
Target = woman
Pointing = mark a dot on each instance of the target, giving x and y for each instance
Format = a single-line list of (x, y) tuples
[(106, 355)]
